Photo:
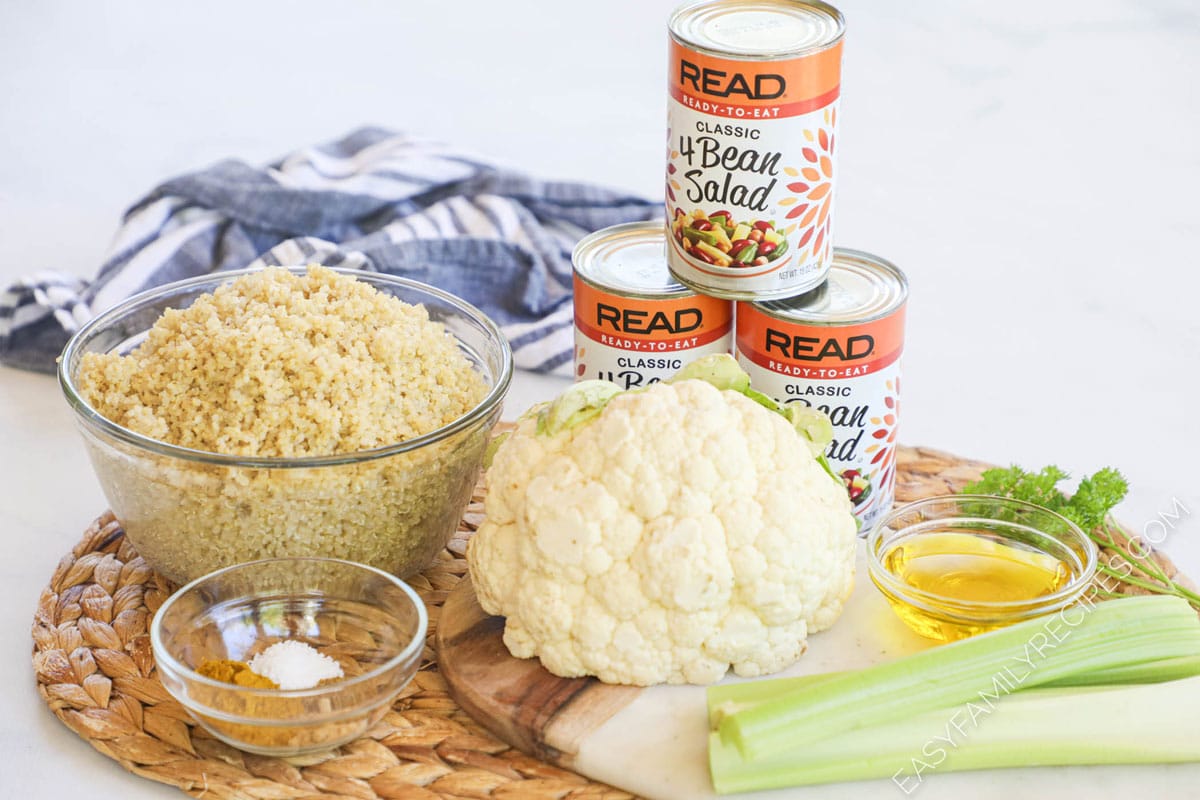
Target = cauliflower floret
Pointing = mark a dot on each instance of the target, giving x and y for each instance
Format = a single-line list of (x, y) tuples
[(682, 531)]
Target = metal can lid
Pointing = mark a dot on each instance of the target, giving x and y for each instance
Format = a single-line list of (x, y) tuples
[(860, 288), (757, 29), (628, 259)]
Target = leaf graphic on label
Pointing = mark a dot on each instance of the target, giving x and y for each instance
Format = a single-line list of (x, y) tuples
[(798, 187), (889, 401), (823, 139), (797, 211), (890, 419), (787, 201), (824, 211), (804, 239), (809, 135), (809, 154), (675, 185), (790, 171), (671, 169), (811, 174), (818, 192), (788, 230), (827, 166), (820, 238), (808, 218)]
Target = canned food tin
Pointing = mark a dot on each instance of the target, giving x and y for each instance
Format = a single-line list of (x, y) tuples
[(634, 324), (838, 348), (751, 123)]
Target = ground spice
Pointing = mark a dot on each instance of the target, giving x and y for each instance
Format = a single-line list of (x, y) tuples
[(275, 723), (235, 672)]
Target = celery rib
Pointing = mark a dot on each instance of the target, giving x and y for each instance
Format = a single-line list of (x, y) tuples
[(1032, 728), (1113, 634), (725, 699)]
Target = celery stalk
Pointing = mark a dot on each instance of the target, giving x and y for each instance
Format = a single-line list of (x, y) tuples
[(1157, 671), (1111, 634), (727, 698), (1145, 724)]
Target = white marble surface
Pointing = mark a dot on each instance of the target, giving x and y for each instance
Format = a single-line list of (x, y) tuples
[(672, 723), (1032, 167)]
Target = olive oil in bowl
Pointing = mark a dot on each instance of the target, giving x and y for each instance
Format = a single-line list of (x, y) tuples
[(973, 566), (955, 566)]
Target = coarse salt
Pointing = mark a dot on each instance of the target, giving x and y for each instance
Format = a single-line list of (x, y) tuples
[(295, 665)]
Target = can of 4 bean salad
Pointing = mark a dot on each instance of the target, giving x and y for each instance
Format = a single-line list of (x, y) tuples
[(752, 118), (838, 348), (634, 324)]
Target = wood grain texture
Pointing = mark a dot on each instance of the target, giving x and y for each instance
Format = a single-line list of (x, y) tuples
[(516, 699)]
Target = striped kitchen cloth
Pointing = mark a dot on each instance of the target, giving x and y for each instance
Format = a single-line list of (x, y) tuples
[(373, 200)]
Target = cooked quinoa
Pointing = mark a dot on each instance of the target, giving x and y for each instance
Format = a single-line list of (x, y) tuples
[(283, 364), (280, 364)]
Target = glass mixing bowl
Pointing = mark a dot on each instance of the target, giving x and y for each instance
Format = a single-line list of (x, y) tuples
[(189, 512)]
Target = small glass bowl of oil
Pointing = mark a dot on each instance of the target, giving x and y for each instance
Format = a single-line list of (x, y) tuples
[(955, 566)]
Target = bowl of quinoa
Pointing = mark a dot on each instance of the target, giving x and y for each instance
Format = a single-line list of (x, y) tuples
[(287, 412)]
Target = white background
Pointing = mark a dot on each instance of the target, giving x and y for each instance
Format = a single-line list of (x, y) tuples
[(1033, 167)]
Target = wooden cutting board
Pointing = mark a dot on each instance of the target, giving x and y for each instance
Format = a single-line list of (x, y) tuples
[(596, 728), (516, 699), (652, 741)]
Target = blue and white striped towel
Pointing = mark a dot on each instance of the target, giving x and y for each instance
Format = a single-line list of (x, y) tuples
[(374, 200)]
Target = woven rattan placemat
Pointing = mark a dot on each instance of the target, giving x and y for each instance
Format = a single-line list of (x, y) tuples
[(96, 672)]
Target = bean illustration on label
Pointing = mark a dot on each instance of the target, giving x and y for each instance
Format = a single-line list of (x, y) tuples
[(752, 117)]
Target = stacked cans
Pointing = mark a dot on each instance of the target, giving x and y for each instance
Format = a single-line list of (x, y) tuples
[(634, 323), (751, 164)]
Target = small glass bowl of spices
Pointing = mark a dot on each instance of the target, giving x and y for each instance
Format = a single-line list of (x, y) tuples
[(958, 565), (291, 655)]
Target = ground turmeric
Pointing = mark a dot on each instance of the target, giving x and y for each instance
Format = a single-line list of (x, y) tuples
[(235, 672), (273, 723)]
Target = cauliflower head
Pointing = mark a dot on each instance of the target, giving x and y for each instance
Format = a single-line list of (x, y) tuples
[(678, 532)]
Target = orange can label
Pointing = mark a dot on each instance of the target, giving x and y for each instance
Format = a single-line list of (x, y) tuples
[(635, 341), (852, 373), (750, 170), (739, 89), (820, 352)]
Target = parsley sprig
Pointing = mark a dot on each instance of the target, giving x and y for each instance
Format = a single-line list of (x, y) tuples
[(1088, 508)]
